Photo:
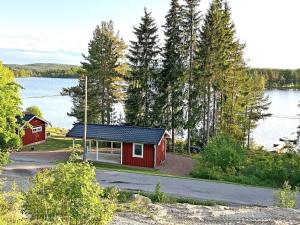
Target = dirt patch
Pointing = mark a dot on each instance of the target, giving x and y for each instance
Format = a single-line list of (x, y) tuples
[(190, 214), (177, 165)]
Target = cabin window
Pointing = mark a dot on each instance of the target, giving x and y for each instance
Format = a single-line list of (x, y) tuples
[(138, 150), (37, 129)]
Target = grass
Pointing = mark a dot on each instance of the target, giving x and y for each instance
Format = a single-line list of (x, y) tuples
[(53, 144), (128, 169)]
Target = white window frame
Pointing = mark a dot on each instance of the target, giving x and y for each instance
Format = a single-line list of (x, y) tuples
[(133, 150), (37, 129)]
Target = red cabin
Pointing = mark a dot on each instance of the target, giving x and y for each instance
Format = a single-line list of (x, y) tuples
[(36, 132), (129, 145)]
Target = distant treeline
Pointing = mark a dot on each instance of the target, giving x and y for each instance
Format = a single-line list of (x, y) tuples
[(279, 78), (45, 70), (274, 78)]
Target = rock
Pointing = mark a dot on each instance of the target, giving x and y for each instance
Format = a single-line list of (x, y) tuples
[(140, 199)]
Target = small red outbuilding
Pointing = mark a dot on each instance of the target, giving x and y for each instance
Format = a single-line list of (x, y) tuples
[(34, 129), (139, 146)]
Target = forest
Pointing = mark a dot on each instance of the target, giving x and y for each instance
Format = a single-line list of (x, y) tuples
[(196, 85), (50, 70), (279, 78), (197, 82)]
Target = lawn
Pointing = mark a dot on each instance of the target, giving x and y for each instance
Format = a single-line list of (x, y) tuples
[(53, 144), (129, 169)]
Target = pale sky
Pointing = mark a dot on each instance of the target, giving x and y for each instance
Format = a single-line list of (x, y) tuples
[(58, 31)]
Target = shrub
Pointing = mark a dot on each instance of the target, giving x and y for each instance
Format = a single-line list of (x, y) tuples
[(286, 197), (224, 152), (69, 193), (161, 197), (11, 207), (4, 158)]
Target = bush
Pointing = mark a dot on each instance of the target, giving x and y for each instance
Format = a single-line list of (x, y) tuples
[(11, 207), (69, 193), (286, 197), (254, 167), (4, 158), (224, 152), (161, 197)]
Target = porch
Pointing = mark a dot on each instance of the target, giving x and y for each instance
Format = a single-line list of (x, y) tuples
[(103, 151)]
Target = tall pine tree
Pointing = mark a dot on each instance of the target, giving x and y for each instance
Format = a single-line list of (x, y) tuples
[(103, 67), (143, 62), (191, 20), (170, 97)]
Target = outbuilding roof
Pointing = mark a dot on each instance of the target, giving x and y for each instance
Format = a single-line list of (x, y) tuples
[(119, 133), (27, 117)]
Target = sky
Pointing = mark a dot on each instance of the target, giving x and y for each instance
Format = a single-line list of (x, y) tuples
[(58, 31)]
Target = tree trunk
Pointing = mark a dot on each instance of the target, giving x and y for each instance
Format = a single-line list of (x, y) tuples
[(208, 113), (214, 113), (249, 129)]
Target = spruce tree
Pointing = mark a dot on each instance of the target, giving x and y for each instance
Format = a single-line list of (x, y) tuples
[(103, 67), (191, 20), (210, 59), (170, 98), (143, 62)]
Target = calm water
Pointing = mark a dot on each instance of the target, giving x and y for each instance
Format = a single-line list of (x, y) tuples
[(284, 121), (44, 92), (55, 108)]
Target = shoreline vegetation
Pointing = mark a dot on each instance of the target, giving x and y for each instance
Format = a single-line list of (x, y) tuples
[(274, 78), (46, 70)]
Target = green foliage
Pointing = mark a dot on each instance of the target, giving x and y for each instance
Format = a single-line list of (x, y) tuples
[(69, 193), (278, 78), (11, 207), (170, 85), (35, 110), (224, 152), (105, 68), (45, 70), (4, 158), (255, 167), (143, 62), (158, 195), (9, 109), (286, 197)]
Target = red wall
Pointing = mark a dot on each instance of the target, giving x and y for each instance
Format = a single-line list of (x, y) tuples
[(29, 137), (160, 152), (146, 161)]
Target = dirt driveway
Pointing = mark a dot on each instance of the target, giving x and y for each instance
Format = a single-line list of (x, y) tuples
[(178, 165)]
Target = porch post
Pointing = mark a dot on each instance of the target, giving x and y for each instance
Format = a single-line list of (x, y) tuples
[(111, 147), (90, 145), (97, 156)]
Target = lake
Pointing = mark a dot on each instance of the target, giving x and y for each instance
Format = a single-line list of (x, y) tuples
[(45, 93)]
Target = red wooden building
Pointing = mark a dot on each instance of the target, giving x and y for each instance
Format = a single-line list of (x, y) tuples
[(36, 132), (138, 146)]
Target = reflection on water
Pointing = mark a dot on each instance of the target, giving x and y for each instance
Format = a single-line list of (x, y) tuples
[(55, 108)]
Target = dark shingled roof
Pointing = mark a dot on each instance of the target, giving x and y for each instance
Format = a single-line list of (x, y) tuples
[(118, 133), (25, 118)]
